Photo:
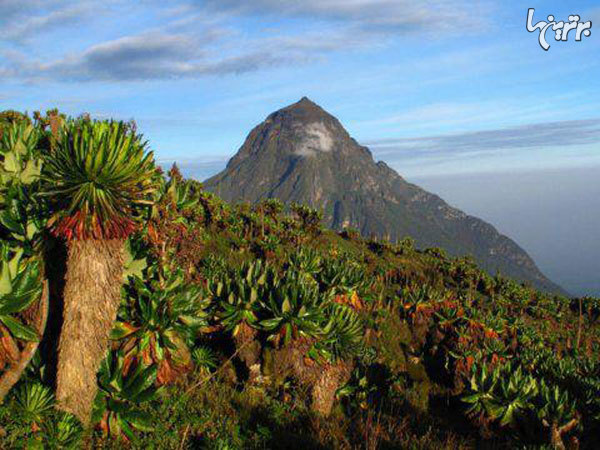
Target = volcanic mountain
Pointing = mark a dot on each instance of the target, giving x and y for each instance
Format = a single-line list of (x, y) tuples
[(303, 154)]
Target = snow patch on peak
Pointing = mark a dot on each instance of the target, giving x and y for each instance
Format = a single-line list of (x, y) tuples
[(314, 137)]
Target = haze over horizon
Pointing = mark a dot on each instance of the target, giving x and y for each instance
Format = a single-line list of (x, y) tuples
[(550, 213), (456, 96)]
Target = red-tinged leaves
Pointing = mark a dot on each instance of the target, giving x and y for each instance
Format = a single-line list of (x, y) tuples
[(100, 179)]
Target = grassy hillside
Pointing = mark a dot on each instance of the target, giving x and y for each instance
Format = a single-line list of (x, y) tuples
[(254, 327)]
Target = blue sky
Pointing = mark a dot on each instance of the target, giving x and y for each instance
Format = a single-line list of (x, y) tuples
[(197, 75), (435, 88)]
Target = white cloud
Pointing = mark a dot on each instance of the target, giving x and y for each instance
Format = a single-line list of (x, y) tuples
[(180, 47), (561, 134), (25, 24), (160, 55), (432, 15)]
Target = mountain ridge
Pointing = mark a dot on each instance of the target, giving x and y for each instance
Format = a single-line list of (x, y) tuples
[(301, 153)]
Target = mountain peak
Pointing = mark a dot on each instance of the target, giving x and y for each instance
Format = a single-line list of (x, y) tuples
[(304, 110), (305, 99), (308, 130), (305, 102), (301, 153)]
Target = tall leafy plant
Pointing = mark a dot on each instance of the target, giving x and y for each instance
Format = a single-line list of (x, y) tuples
[(99, 180)]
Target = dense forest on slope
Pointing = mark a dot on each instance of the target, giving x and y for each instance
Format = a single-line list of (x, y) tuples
[(252, 326)]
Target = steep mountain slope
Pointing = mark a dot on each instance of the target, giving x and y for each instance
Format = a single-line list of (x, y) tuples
[(302, 153)]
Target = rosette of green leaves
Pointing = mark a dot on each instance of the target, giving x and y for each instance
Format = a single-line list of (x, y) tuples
[(33, 401), (120, 395), (295, 308), (182, 193), (34, 404), (238, 293), (62, 433), (342, 336), (306, 260), (341, 276), (505, 394), (20, 155), (480, 394), (22, 215), (160, 314), (555, 406), (515, 393), (20, 286)]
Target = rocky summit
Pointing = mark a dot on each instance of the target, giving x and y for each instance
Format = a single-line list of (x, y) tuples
[(303, 154)]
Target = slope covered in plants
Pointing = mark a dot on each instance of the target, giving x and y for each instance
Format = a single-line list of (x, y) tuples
[(254, 327), (301, 153)]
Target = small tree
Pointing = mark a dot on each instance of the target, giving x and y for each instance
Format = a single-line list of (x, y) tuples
[(99, 178), (309, 218)]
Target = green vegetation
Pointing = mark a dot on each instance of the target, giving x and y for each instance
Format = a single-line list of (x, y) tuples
[(253, 327)]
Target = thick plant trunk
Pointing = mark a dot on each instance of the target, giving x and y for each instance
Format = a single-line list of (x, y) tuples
[(323, 393), (322, 379), (91, 298), (249, 350)]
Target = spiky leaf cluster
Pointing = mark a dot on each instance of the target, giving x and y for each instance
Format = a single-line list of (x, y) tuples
[(160, 317), (100, 178), (121, 392)]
